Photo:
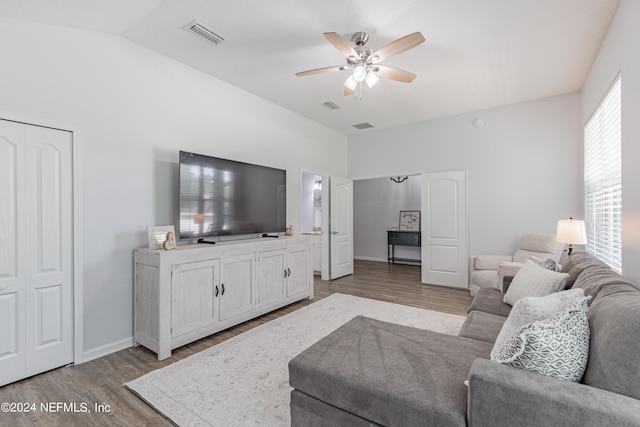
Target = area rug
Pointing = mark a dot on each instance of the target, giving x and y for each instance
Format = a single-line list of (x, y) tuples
[(244, 381)]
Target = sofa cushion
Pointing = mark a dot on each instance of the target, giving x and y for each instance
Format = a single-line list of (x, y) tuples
[(540, 243), (533, 281), (522, 255), (547, 263), (489, 262), (490, 300), (576, 263), (614, 357), (596, 277), (557, 346), (530, 309), (389, 374), (485, 278), (482, 326)]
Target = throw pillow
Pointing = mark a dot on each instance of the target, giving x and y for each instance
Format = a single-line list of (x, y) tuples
[(557, 346), (534, 281), (547, 263), (530, 309)]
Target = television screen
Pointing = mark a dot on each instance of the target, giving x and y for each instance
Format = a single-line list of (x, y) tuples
[(220, 197)]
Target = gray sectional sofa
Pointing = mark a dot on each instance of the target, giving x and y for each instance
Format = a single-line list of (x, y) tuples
[(370, 373)]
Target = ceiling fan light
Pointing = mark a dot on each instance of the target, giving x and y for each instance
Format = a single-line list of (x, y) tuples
[(359, 73), (371, 79), (351, 83)]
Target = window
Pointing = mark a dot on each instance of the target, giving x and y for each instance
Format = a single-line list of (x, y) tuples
[(603, 179)]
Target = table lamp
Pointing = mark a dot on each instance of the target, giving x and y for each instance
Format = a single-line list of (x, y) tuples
[(571, 231)]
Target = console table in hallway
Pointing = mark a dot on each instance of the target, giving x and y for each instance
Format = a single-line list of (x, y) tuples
[(402, 238)]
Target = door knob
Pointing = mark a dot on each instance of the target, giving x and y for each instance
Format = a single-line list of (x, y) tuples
[(334, 232)]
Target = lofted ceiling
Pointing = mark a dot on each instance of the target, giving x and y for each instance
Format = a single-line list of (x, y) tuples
[(478, 54)]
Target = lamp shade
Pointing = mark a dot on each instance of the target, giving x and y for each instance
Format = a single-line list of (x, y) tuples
[(571, 231)]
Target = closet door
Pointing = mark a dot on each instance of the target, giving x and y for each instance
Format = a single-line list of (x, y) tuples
[(36, 250), (49, 249), (12, 246)]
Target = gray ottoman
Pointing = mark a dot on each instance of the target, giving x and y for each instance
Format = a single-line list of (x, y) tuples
[(370, 372)]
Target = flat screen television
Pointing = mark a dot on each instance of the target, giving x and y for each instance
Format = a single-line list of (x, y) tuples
[(220, 197)]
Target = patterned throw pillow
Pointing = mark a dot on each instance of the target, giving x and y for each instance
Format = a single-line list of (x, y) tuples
[(534, 281), (547, 263), (557, 346), (530, 309)]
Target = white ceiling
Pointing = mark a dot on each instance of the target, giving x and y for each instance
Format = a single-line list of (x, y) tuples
[(478, 54)]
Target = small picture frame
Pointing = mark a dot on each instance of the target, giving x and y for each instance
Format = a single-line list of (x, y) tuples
[(158, 235), (409, 221)]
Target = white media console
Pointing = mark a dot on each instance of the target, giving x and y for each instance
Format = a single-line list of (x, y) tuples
[(193, 291)]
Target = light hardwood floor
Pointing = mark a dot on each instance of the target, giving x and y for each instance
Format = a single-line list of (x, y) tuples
[(101, 381)]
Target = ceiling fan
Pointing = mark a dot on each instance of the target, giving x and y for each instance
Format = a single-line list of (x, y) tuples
[(364, 63)]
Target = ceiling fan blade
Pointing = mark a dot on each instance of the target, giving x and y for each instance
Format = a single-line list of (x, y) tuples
[(393, 73), (320, 70), (348, 91), (397, 47), (341, 44)]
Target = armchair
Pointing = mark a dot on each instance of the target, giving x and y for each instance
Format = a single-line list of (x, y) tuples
[(489, 271)]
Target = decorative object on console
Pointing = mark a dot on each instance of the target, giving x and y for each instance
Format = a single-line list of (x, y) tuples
[(409, 221), (158, 235), (289, 231), (534, 281), (170, 242), (572, 232)]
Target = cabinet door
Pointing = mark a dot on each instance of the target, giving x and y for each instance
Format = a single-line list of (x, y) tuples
[(193, 291), (237, 286), (298, 280), (271, 277)]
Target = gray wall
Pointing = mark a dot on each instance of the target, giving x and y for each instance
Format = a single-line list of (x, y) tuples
[(619, 54), (524, 166)]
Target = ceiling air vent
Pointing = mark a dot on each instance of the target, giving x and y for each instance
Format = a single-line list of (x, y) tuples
[(363, 126), (200, 30), (331, 105)]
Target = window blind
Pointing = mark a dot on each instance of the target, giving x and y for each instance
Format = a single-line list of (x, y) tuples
[(603, 179)]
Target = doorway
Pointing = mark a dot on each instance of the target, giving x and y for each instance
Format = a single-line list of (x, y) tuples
[(327, 216), (440, 198)]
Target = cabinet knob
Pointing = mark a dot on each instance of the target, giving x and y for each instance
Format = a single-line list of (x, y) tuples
[(216, 290), (223, 289)]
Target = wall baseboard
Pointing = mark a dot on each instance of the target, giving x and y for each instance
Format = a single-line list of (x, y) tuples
[(366, 258), (104, 350)]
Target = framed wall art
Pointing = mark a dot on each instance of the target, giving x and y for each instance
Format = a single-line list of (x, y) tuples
[(409, 221)]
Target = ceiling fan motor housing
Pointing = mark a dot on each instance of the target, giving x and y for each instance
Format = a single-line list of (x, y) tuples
[(360, 38)]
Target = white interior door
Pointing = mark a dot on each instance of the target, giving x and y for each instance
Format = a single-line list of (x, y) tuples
[(341, 227), (12, 263), (36, 258), (444, 229)]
